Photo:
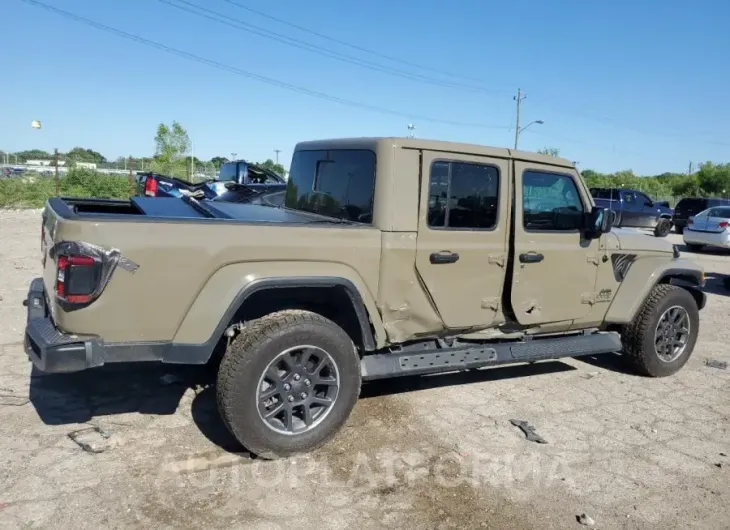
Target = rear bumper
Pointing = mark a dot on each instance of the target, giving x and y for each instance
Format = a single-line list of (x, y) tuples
[(714, 239), (49, 349)]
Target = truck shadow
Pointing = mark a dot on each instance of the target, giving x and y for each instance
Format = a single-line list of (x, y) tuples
[(112, 391)]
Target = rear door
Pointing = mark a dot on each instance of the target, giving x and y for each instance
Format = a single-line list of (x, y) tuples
[(717, 219), (461, 254), (555, 266)]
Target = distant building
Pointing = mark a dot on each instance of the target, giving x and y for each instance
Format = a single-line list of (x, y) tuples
[(44, 162), (86, 165)]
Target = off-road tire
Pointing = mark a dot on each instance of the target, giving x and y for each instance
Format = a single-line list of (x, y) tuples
[(679, 229), (663, 227), (249, 354), (638, 337), (694, 248)]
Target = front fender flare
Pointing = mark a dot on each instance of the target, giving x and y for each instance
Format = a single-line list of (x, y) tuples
[(645, 273)]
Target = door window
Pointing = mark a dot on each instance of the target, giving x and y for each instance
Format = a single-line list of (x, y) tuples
[(463, 195), (551, 202)]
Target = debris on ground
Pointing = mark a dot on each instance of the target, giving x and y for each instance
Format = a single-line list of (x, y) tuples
[(585, 520), (723, 454), (94, 439), (714, 363), (719, 465), (171, 379), (529, 431), (589, 375), (12, 399)]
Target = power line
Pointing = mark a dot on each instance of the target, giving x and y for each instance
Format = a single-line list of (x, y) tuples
[(251, 75), (599, 119), (300, 44), (350, 45)]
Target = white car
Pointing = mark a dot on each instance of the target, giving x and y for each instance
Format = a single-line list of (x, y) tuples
[(709, 228)]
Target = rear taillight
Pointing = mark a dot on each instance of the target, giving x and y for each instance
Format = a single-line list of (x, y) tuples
[(722, 224), (77, 278), (150, 186), (690, 221)]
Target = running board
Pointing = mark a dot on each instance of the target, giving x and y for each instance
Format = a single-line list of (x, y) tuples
[(433, 360)]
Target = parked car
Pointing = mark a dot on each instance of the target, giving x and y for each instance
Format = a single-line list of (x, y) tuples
[(689, 206), (238, 181), (633, 208), (709, 228), (359, 277)]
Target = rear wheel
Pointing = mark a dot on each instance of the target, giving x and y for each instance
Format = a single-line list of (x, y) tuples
[(662, 337), (287, 383)]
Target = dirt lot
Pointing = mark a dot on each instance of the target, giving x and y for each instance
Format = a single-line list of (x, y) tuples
[(435, 452)]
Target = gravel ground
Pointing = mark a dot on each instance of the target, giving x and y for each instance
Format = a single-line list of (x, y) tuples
[(434, 452)]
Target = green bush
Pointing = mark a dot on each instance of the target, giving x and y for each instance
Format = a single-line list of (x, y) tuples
[(33, 191)]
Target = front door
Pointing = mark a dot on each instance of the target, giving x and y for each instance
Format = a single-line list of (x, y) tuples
[(555, 266), (463, 228)]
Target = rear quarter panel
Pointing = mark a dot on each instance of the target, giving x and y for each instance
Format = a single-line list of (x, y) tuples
[(190, 272)]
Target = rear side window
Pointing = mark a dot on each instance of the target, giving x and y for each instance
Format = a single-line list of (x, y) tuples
[(550, 202), (463, 195), (337, 183), (720, 212), (696, 205)]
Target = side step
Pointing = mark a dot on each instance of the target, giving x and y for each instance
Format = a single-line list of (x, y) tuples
[(427, 358)]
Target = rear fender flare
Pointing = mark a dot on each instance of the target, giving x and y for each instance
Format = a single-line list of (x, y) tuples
[(643, 275), (201, 329)]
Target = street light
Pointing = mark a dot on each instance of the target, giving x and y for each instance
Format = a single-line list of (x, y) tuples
[(519, 131)]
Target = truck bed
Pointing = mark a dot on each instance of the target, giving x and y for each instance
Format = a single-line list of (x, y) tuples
[(173, 209)]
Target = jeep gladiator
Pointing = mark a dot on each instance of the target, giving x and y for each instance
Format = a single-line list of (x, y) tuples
[(389, 257)]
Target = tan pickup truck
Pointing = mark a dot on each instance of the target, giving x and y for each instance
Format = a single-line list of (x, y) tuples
[(389, 257)]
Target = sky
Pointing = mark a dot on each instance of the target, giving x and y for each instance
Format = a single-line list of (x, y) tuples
[(619, 84)]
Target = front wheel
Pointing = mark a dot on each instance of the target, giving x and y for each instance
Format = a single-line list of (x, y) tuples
[(663, 227), (287, 383), (660, 340)]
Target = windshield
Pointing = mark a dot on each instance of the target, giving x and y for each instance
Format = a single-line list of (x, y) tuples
[(337, 183)]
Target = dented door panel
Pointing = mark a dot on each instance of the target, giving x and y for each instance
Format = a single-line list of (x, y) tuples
[(555, 267), (461, 256)]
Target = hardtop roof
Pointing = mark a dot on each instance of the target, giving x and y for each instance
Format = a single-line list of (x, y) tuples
[(432, 145)]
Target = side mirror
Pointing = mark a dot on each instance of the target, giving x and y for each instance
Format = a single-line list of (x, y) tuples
[(600, 221)]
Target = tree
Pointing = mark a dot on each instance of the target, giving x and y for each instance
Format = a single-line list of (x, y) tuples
[(550, 151), (273, 166), (79, 154), (171, 145), (217, 161)]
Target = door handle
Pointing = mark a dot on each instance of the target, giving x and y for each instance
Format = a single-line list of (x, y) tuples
[(531, 257), (445, 256)]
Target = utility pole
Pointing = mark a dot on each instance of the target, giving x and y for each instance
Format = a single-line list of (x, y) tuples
[(58, 184), (131, 176), (277, 151), (519, 97), (690, 169)]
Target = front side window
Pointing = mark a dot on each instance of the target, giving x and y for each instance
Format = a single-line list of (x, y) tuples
[(463, 195), (337, 183), (551, 202)]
